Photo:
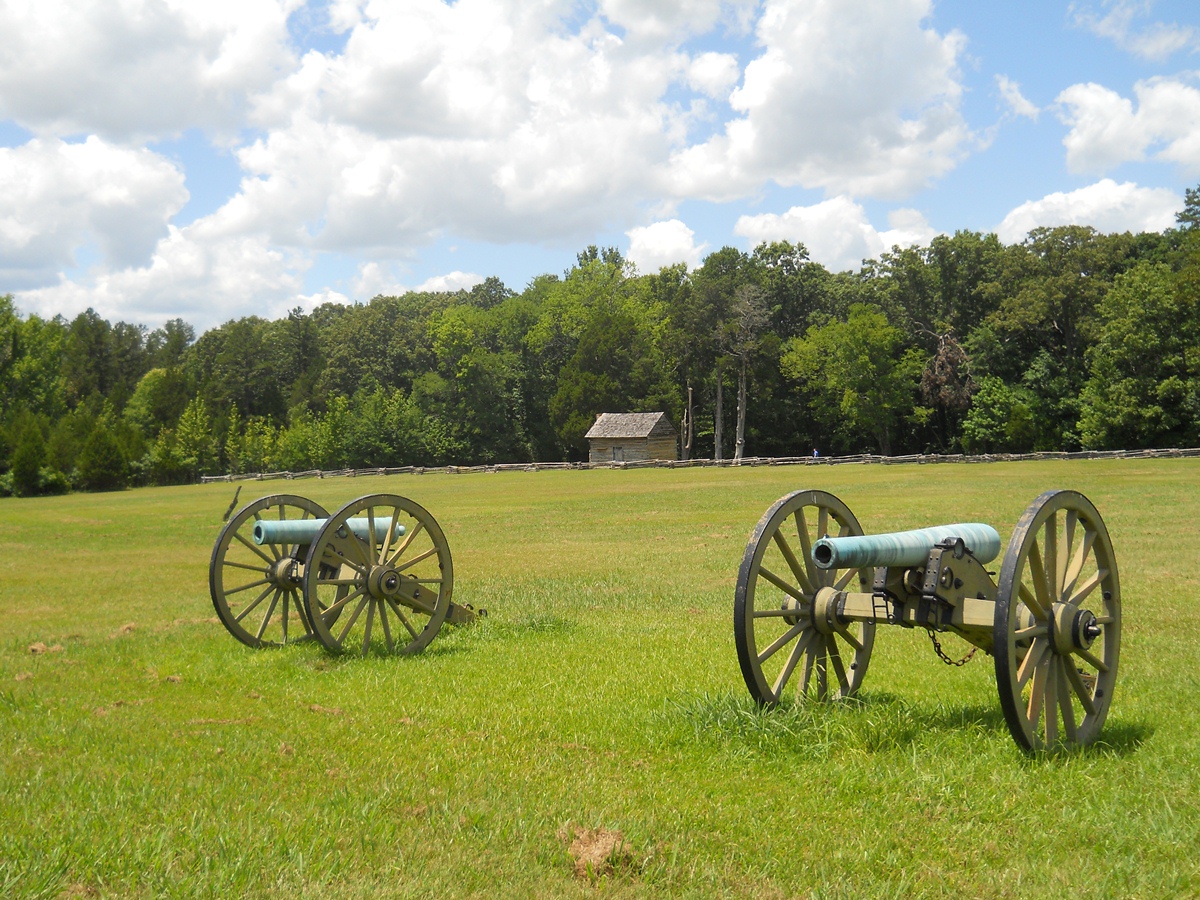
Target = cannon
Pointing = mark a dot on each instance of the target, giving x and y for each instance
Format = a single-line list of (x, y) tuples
[(376, 572), (812, 588)]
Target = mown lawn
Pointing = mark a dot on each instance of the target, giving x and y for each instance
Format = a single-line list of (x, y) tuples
[(147, 753)]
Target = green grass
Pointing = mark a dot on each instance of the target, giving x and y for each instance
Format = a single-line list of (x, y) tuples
[(602, 691)]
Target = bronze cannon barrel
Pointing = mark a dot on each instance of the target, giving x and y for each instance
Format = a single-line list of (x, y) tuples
[(304, 531), (904, 548)]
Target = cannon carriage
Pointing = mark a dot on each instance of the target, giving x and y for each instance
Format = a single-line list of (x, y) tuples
[(812, 589), (377, 572)]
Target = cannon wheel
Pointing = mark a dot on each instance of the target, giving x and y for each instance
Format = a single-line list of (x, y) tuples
[(389, 590), (1057, 632), (774, 623), (256, 589)]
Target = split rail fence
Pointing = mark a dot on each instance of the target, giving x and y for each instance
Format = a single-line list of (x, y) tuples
[(860, 459)]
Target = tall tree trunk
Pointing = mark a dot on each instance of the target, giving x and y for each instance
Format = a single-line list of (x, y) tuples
[(689, 425), (718, 430), (739, 446)]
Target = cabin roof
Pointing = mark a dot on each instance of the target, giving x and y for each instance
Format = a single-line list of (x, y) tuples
[(631, 425)]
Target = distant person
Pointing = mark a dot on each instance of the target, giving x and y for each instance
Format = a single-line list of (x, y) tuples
[(815, 454)]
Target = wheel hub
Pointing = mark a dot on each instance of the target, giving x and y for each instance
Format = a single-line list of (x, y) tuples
[(383, 582), (1074, 628), (824, 610), (284, 572)]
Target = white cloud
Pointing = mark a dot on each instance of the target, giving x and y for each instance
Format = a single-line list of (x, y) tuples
[(202, 273), (672, 19), (1106, 130), (451, 281), (1156, 41), (714, 74), (56, 197), (854, 96), (1010, 91), (1106, 206), (837, 232), (129, 68), (663, 244)]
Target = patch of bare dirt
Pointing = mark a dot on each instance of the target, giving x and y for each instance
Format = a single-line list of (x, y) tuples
[(286, 749), (174, 679), (38, 647), (72, 891), (117, 704), (22, 676), (598, 852), (328, 710), (127, 628)]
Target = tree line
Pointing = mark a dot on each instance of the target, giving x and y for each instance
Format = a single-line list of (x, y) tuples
[(1070, 339)]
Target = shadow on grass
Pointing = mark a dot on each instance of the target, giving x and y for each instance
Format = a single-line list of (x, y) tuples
[(875, 722)]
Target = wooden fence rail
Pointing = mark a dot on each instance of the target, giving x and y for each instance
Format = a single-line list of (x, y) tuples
[(859, 459)]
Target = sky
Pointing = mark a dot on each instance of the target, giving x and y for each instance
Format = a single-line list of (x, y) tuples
[(208, 161)]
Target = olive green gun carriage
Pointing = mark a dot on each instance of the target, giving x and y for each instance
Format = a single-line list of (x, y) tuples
[(812, 589), (376, 572)]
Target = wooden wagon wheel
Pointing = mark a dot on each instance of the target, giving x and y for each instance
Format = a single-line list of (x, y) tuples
[(1057, 633), (782, 632), (392, 587), (256, 588)]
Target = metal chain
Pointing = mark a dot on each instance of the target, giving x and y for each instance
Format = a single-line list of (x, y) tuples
[(937, 648)]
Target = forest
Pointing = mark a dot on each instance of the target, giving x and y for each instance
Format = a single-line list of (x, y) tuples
[(1071, 339)]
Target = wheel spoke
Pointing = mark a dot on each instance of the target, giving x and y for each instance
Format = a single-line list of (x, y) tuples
[(1051, 558), (247, 586), (781, 641), (1088, 586), (387, 629), (416, 559), (353, 618), (1037, 694), (386, 546), (403, 618), (809, 656), (257, 600), (237, 565), (822, 671), (1050, 704), (793, 658), (805, 546), (840, 584), (1068, 709), (781, 584), (370, 616), (1081, 690), (1033, 658), (1081, 555), (262, 626), (1034, 605), (255, 550), (777, 613), (844, 631), (329, 613), (1095, 662), (1031, 632), (839, 668), (408, 539), (287, 598), (793, 563), (1038, 573)]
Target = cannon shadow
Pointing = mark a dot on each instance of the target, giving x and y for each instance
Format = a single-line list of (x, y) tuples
[(873, 722)]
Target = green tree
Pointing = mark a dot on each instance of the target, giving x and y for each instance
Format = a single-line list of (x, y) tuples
[(102, 465), (860, 374), (998, 421), (1143, 387), (614, 369), (28, 459)]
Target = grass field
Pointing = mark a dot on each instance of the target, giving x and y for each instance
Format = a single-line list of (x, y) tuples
[(147, 753)]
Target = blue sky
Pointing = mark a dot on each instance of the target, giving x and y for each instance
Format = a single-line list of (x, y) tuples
[(162, 158)]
